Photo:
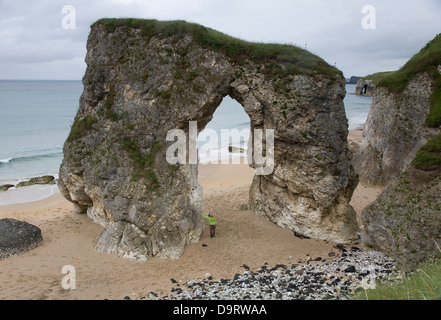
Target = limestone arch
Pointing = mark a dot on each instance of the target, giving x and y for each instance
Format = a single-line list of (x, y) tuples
[(145, 78)]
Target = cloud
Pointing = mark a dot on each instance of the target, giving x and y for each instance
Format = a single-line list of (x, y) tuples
[(37, 45)]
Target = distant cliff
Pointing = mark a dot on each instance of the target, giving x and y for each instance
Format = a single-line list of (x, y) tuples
[(353, 80)]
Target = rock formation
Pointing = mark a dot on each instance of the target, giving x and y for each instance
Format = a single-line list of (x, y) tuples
[(36, 180), (17, 237), (394, 131), (365, 87), (145, 78), (405, 221), (6, 187), (402, 150)]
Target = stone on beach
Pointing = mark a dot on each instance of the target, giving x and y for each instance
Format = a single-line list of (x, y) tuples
[(36, 180), (6, 187), (17, 237), (308, 281)]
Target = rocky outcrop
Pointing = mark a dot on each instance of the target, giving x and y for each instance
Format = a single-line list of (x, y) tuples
[(405, 221), (394, 131), (365, 87), (6, 187), (17, 237), (402, 150), (36, 180), (30, 182), (145, 78)]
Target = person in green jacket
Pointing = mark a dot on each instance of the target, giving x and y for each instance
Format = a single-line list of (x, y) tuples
[(212, 221)]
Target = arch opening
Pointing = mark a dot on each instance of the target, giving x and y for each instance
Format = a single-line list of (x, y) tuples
[(224, 140), (364, 91), (223, 170)]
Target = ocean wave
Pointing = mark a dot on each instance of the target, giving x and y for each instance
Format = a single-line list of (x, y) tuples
[(31, 157), (5, 160)]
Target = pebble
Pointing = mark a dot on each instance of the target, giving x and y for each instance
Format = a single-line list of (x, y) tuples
[(331, 279)]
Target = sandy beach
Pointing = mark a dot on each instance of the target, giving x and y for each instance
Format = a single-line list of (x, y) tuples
[(242, 238)]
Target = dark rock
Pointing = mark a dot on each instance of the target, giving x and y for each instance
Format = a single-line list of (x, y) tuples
[(350, 269), (293, 286), (37, 180), (6, 187), (233, 149), (173, 280), (331, 254), (246, 267), (278, 266), (42, 180), (318, 259), (300, 236), (353, 80), (204, 245), (126, 298), (17, 237)]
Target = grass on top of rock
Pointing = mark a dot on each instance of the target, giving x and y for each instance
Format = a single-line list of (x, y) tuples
[(293, 60), (427, 60), (377, 77)]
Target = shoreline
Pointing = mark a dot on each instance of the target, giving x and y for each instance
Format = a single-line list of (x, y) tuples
[(242, 238), (40, 192)]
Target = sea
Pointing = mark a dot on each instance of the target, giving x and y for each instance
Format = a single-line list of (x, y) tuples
[(36, 117)]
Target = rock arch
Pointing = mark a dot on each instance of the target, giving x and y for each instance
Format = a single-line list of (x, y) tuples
[(145, 78)]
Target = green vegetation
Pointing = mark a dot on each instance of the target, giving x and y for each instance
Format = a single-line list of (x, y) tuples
[(106, 109), (318, 157), (424, 284), (81, 127), (434, 118), (280, 59), (377, 77), (427, 60), (142, 163), (429, 156)]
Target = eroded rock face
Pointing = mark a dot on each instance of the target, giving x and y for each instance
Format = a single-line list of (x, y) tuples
[(394, 131), (137, 88), (405, 221)]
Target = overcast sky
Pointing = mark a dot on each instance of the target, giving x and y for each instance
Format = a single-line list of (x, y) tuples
[(35, 44)]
